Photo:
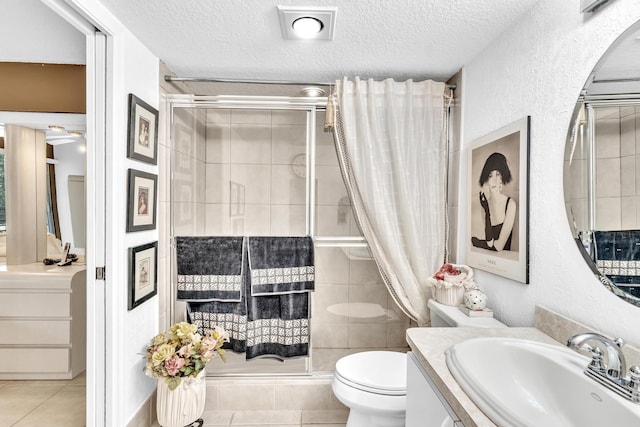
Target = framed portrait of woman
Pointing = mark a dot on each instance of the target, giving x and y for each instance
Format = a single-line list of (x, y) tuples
[(499, 202), (143, 269), (141, 207), (142, 131)]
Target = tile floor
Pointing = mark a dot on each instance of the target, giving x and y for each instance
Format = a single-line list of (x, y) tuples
[(281, 418), (59, 403), (62, 404)]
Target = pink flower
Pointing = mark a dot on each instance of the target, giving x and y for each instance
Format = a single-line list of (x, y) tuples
[(185, 351), (207, 355), (209, 343), (173, 365)]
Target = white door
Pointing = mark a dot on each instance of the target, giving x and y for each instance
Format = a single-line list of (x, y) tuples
[(96, 77)]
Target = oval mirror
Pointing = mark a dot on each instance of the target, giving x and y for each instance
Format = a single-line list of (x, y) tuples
[(602, 168)]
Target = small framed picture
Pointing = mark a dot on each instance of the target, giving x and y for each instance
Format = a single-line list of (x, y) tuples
[(143, 131), (142, 201), (143, 269), (499, 204)]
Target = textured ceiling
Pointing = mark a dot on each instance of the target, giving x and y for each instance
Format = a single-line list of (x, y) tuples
[(241, 39), (373, 38)]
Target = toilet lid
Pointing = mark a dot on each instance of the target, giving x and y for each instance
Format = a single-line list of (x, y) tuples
[(383, 372)]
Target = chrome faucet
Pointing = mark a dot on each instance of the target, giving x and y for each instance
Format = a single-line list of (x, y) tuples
[(611, 374), (616, 364)]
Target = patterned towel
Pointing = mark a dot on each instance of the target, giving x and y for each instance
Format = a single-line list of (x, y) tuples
[(281, 265), (272, 325), (617, 255), (209, 268)]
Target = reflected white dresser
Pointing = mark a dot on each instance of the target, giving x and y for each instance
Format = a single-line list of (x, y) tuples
[(42, 321)]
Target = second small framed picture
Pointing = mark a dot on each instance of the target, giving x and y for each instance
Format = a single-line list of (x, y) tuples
[(143, 131), (141, 207), (143, 269)]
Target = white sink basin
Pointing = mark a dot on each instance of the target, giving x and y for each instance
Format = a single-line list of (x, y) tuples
[(525, 383)]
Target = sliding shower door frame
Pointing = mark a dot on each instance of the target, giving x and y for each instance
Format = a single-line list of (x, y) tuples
[(311, 106)]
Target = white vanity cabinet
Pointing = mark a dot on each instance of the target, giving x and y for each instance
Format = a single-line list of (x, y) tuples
[(42, 321), (426, 407)]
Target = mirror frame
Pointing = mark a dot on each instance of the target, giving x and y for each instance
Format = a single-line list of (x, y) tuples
[(582, 100)]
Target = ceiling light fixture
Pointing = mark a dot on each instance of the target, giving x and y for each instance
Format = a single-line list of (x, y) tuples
[(310, 23), (312, 91), (307, 27), (56, 127), (75, 132)]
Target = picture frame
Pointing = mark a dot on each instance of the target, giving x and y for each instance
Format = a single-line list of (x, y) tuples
[(142, 140), (498, 172), (143, 273), (141, 206)]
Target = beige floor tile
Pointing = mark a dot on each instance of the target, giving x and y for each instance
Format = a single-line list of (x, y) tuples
[(215, 417), (16, 401), (303, 396), (271, 425), (80, 379), (324, 425), (324, 416), (235, 397), (266, 418), (66, 408)]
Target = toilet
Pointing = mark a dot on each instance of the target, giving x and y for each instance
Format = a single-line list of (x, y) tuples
[(373, 384)]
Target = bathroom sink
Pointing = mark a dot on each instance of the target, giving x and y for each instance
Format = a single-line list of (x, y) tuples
[(526, 383)]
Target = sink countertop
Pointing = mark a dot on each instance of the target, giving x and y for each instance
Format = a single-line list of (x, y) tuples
[(429, 345)]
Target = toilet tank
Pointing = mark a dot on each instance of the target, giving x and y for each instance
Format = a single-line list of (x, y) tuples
[(449, 316)]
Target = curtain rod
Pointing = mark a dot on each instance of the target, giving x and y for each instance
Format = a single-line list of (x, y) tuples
[(278, 82)]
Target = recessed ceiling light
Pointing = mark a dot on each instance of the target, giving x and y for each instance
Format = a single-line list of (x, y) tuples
[(312, 91), (311, 23), (307, 27), (56, 127)]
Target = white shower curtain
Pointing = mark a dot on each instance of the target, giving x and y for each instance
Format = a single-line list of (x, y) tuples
[(391, 143)]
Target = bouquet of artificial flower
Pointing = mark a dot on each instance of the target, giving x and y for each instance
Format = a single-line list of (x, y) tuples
[(183, 352)]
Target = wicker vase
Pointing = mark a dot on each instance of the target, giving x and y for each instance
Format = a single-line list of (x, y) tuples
[(184, 405)]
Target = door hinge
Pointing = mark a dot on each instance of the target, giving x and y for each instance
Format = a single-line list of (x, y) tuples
[(101, 273)]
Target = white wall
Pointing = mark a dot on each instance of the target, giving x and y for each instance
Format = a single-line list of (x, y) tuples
[(537, 68), (31, 32), (139, 325)]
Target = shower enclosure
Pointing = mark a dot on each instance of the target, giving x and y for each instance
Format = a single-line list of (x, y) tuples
[(603, 187), (263, 166)]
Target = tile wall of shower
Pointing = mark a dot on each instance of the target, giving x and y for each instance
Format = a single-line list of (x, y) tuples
[(617, 174), (617, 171), (238, 172)]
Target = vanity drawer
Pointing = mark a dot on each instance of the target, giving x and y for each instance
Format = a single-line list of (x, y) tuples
[(34, 331), (34, 360), (27, 304)]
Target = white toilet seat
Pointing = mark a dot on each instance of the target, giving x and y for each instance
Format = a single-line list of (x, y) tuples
[(378, 372)]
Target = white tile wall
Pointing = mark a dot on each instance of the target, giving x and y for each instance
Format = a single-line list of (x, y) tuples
[(251, 143), (288, 141), (218, 142), (617, 169)]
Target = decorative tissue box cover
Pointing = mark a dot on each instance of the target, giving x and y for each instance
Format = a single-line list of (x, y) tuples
[(450, 290), (449, 296)]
